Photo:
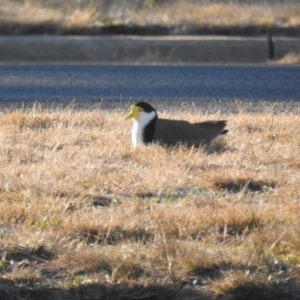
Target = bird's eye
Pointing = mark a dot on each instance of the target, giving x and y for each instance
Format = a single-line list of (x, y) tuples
[(140, 109)]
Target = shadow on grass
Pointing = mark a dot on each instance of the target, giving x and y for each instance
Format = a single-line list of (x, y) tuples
[(235, 186), (40, 254), (99, 291), (288, 290), (116, 236)]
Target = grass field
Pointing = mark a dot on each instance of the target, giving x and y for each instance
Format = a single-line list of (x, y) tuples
[(84, 216), (252, 17)]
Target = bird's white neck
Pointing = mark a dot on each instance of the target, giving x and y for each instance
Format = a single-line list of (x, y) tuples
[(137, 134), (139, 126)]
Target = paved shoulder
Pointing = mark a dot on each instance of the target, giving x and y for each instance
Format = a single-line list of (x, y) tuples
[(139, 49)]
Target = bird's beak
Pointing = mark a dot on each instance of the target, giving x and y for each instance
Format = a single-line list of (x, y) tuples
[(130, 116), (134, 114)]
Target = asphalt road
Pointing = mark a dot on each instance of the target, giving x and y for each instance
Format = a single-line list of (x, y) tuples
[(93, 83)]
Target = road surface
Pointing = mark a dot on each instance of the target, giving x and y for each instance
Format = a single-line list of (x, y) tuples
[(93, 83)]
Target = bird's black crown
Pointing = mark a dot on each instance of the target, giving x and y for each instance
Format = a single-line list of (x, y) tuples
[(145, 106)]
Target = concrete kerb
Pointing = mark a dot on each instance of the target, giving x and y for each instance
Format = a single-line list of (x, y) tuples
[(143, 49)]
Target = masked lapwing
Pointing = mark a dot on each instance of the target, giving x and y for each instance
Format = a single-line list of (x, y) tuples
[(148, 128)]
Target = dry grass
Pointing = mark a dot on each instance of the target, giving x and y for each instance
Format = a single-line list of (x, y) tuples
[(289, 59), (69, 15), (80, 209)]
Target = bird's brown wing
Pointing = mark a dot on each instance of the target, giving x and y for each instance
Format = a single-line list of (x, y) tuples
[(213, 127), (172, 132)]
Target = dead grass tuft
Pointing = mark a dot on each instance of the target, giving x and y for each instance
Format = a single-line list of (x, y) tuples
[(207, 15), (290, 58), (83, 17)]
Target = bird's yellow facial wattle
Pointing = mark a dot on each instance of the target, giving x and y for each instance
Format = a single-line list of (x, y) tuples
[(135, 113)]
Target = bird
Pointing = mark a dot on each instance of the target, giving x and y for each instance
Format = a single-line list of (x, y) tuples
[(148, 128)]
